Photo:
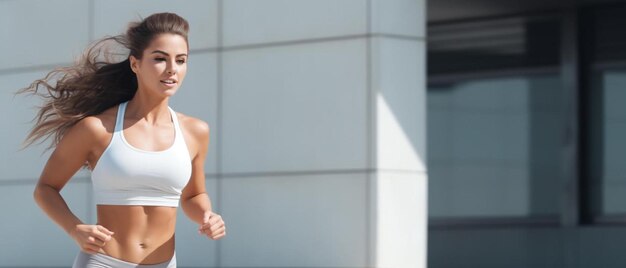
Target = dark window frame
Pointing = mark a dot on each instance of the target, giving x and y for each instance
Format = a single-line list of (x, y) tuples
[(571, 160), (580, 200), (591, 183)]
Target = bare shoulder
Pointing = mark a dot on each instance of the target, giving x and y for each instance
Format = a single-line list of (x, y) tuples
[(97, 125), (197, 127), (91, 132)]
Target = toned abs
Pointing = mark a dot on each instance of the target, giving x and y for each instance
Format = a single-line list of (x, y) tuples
[(143, 234)]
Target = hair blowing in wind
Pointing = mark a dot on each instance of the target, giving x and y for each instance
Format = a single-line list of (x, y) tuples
[(96, 81)]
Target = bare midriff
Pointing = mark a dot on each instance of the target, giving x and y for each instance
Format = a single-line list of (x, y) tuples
[(142, 234)]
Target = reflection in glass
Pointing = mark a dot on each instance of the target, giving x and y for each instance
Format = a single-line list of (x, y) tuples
[(609, 140), (494, 147)]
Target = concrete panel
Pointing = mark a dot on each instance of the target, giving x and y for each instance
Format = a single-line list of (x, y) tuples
[(399, 85), (253, 22), (400, 213), (29, 237), (404, 17), (19, 110), (57, 30), (291, 108), (295, 221)]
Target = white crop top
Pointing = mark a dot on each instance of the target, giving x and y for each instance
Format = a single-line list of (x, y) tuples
[(125, 175)]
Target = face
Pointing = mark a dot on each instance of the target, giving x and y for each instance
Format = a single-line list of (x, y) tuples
[(163, 66)]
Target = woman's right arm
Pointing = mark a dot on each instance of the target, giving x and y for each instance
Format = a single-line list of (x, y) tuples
[(69, 155)]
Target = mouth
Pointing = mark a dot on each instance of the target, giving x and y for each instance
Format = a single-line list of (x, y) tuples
[(169, 81)]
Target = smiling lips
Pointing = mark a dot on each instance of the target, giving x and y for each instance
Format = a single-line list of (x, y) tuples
[(170, 83)]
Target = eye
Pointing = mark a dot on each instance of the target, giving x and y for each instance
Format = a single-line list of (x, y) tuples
[(181, 61), (159, 59)]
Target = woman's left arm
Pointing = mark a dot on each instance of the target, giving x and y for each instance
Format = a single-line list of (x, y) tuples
[(195, 200)]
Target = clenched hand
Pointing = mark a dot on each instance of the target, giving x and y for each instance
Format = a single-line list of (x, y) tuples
[(212, 226), (90, 238)]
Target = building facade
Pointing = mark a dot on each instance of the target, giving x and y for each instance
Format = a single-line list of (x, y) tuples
[(362, 133), (317, 112)]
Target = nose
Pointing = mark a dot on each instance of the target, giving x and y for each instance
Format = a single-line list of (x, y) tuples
[(171, 69)]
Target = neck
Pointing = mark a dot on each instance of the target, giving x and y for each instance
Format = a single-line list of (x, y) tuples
[(152, 109)]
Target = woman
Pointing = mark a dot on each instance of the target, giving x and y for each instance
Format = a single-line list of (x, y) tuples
[(145, 159)]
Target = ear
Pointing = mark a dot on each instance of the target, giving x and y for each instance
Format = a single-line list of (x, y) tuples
[(133, 63)]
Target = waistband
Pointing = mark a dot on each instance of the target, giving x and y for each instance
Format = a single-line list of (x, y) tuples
[(86, 260)]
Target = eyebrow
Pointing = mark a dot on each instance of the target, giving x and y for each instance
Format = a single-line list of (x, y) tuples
[(163, 52)]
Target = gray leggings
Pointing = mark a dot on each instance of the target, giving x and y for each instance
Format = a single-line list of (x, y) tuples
[(99, 260)]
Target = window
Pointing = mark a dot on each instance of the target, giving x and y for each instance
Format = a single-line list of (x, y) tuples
[(494, 120), (606, 115)]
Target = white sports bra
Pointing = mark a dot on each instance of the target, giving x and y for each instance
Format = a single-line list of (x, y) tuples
[(125, 175)]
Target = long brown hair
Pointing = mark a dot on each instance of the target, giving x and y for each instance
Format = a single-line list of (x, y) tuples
[(96, 81)]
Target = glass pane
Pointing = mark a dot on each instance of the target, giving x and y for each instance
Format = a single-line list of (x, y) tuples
[(606, 124), (611, 138), (494, 147)]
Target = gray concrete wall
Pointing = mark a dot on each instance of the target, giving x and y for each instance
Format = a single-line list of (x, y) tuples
[(317, 112)]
